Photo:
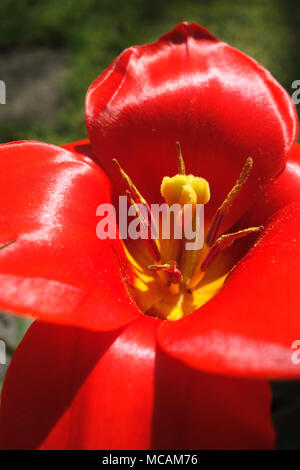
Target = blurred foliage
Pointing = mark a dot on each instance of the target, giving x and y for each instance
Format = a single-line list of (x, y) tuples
[(18, 327), (93, 32)]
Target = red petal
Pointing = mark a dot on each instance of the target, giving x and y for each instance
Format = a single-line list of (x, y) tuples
[(248, 329), (82, 148), (284, 191), (190, 87), (72, 389), (58, 269)]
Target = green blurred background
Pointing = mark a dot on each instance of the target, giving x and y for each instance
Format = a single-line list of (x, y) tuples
[(51, 50)]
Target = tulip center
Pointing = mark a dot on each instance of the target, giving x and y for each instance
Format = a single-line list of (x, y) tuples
[(174, 274)]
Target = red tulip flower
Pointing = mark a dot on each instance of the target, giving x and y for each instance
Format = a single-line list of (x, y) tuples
[(120, 356)]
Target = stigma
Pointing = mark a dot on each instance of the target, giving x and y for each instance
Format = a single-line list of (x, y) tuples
[(184, 189), (171, 280)]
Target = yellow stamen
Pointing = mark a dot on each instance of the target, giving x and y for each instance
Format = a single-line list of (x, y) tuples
[(173, 286), (226, 205), (223, 242), (151, 243), (133, 189)]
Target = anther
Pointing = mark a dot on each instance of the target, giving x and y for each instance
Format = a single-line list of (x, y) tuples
[(172, 270), (7, 244), (226, 205), (135, 193), (146, 231), (224, 241)]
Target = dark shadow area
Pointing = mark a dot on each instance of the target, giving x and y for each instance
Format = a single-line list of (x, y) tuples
[(286, 414)]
